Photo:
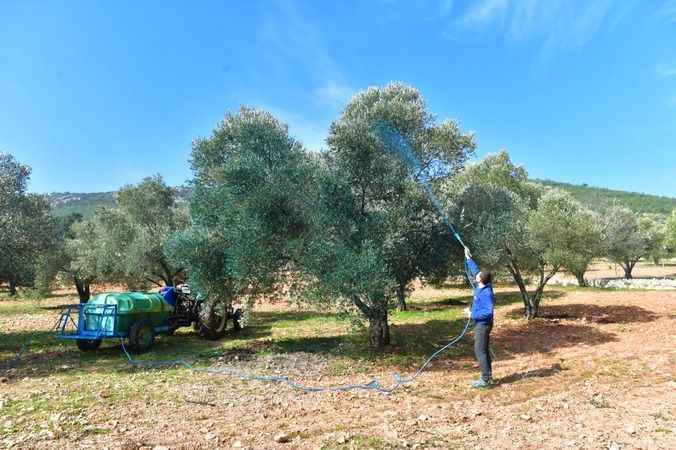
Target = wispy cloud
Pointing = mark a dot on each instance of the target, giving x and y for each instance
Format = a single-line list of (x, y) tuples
[(296, 41), (557, 24), (485, 11), (296, 47)]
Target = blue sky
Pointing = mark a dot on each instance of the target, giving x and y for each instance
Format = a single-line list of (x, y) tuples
[(97, 94)]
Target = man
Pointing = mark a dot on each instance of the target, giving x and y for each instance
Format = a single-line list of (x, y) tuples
[(482, 315)]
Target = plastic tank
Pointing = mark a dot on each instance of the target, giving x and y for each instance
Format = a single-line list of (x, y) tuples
[(131, 307)]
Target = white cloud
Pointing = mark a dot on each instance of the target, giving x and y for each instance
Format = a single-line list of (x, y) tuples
[(297, 43), (294, 44), (485, 11), (557, 24)]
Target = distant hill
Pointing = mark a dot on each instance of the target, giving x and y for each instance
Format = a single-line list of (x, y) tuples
[(65, 203), (598, 197)]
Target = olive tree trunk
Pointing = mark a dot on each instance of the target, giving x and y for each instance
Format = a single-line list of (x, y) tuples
[(401, 298), (531, 300), (12, 287), (580, 279), (83, 289), (379, 331), (628, 267)]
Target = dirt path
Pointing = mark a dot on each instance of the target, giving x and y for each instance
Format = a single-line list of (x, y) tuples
[(597, 372)]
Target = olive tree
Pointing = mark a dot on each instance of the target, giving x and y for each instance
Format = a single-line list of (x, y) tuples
[(670, 232), (360, 253), (249, 210), (421, 245), (586, 242), (656, 229), (150, 211), (565, 233), (55, 260), (26, 226), (127, 243), (629, 237), (517, 225)]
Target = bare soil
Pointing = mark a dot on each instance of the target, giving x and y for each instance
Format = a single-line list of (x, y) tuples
[(597, 371), (609, 270)]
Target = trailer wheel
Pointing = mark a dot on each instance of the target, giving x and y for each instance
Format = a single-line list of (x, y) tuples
[(141, 336), (212, 321), (88, 345)]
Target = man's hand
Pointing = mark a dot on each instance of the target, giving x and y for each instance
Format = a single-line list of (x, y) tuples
[(467, 313), (467, 253)]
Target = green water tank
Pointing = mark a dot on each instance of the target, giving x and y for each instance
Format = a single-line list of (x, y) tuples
[(131, 307)]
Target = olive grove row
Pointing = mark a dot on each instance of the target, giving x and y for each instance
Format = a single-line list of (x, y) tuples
[(349, 227)]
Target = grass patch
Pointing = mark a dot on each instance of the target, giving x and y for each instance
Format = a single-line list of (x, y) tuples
[(14, 307)]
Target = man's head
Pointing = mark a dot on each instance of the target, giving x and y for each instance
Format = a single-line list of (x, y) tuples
[(484, 277)]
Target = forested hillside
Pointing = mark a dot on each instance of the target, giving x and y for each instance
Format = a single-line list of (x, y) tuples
[(65, 203), (595, 196)]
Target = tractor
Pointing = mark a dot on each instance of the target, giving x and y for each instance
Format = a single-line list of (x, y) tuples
[(137, 317)]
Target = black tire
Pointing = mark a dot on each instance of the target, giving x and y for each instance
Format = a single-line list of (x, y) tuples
[(141, 336), (212, 321), (88, 345)]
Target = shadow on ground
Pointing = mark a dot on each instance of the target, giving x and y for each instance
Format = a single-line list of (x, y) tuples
[(536, 373), (562, 326), (593, 313), (38, 354), (501, 299)]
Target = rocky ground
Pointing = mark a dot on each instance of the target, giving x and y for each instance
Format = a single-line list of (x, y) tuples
[(604, 274), (596, 371)]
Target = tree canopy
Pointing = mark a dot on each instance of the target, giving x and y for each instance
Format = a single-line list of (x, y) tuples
[(361, 247), (249, 210), (517, 225), (26, 227), (127, 243), (630, 237)]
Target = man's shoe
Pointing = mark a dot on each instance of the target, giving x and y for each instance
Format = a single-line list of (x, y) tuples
[(481, 384)]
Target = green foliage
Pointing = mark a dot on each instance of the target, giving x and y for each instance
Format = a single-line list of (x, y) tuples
[(630, 237), (670, 232), (249, 207), (565, 233), (86, 204), (600, 198), (491, 201), (25, 225), (656, 235), (515, 224), (371, 212), (126, 243)]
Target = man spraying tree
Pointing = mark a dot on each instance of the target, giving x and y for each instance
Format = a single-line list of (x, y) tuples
[(482, 315)]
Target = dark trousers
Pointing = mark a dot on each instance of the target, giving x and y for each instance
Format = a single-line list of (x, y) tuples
[(482, 334)]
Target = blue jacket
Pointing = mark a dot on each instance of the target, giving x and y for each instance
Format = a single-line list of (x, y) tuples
[(482, 307)]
